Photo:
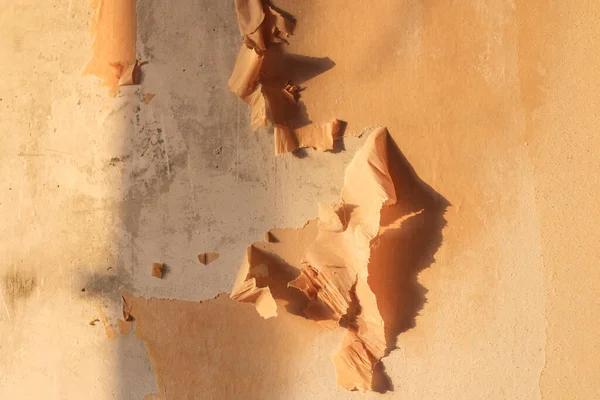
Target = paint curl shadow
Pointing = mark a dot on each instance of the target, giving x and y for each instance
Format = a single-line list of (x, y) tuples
[(410, 235)]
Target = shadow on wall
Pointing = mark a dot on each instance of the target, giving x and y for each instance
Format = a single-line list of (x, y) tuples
[(280, 67), (410, 235)]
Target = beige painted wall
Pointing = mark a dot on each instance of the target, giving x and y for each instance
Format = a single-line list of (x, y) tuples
[(493, 103)]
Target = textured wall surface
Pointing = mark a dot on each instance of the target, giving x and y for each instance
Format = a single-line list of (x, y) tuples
[(493, 103)]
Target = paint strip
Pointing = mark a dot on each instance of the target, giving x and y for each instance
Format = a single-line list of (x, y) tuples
[(113, 58), (207, 258)]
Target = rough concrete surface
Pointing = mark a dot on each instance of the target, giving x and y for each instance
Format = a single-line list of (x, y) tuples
[(493, 103)]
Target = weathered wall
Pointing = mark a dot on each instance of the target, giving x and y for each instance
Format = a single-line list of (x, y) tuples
[(493, 103)]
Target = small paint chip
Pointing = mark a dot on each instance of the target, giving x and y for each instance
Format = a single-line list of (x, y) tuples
[(207, 258), (148, 97), (157, 270)]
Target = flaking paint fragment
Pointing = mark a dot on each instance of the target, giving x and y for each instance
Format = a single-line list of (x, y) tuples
[(263, 26), (127, 73), (282, 27), (125, 308), (319, 138), (333, 274), (244, 79), (250, 15), (114, 29), (292, 91), (268, 267), (258, 108), (246, 289)]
